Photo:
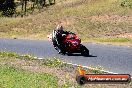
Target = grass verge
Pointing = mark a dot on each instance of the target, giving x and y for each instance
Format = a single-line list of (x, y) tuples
[(12, 77), (26, 71), (113, 41)]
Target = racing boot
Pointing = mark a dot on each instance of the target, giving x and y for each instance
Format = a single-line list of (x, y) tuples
[(58, 48)]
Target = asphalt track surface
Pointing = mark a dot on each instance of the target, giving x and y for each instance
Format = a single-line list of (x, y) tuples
[(116, 59)]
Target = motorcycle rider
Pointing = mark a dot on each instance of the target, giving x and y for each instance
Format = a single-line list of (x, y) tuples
[(60, 36)]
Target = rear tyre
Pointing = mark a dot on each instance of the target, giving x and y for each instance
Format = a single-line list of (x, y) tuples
[(84, 51)]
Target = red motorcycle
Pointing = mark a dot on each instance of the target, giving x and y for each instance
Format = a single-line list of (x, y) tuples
[(71, 44)]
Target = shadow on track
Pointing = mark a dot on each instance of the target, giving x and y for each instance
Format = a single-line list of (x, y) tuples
[(76, 54)]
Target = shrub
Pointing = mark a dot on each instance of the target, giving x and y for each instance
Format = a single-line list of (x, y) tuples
[(7, 7), (126, 3)]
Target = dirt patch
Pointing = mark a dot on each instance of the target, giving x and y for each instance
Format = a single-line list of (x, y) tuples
[(72, 3), (112, 18)]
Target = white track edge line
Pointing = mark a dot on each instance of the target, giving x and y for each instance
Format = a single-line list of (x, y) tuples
[(84, 67)]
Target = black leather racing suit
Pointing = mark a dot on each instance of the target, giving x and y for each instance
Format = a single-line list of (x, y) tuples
[(60, 38)]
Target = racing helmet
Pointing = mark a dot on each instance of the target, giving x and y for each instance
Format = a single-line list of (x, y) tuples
[(60, 28)]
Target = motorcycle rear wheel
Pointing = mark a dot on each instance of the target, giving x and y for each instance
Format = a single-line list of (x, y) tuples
[(84, 51)]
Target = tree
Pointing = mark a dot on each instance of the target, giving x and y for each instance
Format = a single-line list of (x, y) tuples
[(24, 4), (7, 7)]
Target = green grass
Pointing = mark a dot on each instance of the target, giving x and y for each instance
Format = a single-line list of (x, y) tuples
[(11, 77), (126, 3), (52, 62)]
